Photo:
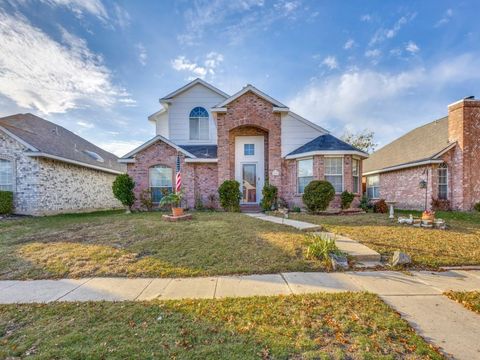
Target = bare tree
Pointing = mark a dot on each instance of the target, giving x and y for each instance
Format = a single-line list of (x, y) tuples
[(363, 140)]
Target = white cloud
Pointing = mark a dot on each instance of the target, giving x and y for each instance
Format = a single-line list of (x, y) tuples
[(412, 47), (330, 62), (349, 44), (79, 7), (366, 18), (119, 147), (290, 6), (382, 34), (122, 17), (86, 125), (445, 19), (211, 62), (373, 53), (37, 72), (142, 54)]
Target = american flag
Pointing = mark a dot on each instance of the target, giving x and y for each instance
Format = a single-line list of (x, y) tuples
[(178, 177)]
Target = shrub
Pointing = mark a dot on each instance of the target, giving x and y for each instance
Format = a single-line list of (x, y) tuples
[(269, 199), (477, 206), (296, 209), (380, 207), (146, 199), (440, 204), (365, 203), (212, 202), (346, 199), (282, 203), (229, 195), (6, 202), (199, 203), (317, 195), (320, 246), (123, 190)]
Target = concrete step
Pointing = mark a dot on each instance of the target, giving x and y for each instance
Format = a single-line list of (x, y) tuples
[(251, 209)]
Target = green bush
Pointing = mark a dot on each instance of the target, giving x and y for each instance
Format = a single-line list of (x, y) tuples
[(320, 246), (477, 207), (269, 199), (6, 202), (123, 190), (380, 207), (317, 195), (229, 195), (346, 199), (146, 199), (296, 209), (364, 203)]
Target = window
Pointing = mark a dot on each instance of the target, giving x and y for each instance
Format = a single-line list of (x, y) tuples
[(443, 181), (6, 175), (334, 172), (355, 174), (373, 187), (199, 124), (160, 181), (248, 149), (304, 174)]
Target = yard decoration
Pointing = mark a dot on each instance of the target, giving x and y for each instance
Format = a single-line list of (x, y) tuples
[(123, 190), (428, 215), (317, 195), (173, 199), (230, 195), (6, 202)]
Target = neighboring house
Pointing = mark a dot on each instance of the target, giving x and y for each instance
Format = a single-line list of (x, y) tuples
[(51, 170), (250, 137), (444, 153)]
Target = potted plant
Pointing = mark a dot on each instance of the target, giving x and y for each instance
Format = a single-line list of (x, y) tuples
[(173, 199), (428, 215)]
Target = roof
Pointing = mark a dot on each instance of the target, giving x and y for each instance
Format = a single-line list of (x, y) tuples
[(46, 139), (201, 151), (150, 142), (325, 144), (257, 92), (417, 146), (192, 84)]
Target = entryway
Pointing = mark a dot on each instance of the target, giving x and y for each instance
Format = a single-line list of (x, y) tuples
[(250, 167)]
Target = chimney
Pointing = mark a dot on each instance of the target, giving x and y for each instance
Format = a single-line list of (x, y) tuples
[(464, 121)]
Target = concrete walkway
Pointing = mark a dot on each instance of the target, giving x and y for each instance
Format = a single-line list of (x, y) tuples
[(359, 252), (417, 297)]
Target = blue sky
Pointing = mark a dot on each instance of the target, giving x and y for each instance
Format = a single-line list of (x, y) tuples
[(98, 67)]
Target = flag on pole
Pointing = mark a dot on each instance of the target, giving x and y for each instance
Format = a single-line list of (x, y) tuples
[(178, 177)]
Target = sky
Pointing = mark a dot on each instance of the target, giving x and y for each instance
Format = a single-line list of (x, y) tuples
[(98, 67)]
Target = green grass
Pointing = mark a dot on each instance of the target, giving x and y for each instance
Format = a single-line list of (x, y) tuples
[(321, 326), (460, 245), (142, 244), (469, 299)]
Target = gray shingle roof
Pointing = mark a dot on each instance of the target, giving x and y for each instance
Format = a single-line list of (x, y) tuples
[(55, 140), (325, 142), (420, 144), (201, 151)]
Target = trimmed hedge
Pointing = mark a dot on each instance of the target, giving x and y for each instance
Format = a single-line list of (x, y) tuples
[(123, 190), (346, 199), (269, 199), (229, 195), (6, 202), (317, 195)]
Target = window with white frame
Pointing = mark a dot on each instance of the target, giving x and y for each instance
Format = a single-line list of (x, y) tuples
[(373, 187), (6, 175), (248, 149), (160, 177), (356, 176), (199, 124), (334, 172), (304, 174), (443, 181)]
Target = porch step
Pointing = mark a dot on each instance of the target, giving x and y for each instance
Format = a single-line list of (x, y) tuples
[(251, 208)]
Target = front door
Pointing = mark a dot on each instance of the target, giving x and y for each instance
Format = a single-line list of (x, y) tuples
[(250, 167)]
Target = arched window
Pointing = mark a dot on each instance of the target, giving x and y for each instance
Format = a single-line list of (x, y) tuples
[(443, 181), (199, 124), (160, 181), (6, 175)]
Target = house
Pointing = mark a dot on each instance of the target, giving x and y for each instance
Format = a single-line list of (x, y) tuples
[(443, 155), (51, 170), (249, 136)]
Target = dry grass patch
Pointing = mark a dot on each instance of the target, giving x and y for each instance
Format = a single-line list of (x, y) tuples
[(469, 299)]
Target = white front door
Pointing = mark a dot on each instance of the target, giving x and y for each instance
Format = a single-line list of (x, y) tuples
[(250, 167)]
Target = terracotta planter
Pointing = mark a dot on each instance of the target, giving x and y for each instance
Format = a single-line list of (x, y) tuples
[(428, 217), (176, 211)]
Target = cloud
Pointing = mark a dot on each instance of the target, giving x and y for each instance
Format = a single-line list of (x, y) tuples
[(349, 44), (86, 125), (388, 102), (119, 147), (411, 47), (122, 17), (383, 34), (142, 54), (373, 53), (445, 19), (330, 62), (366, 18), (79, 7), (211, 62), (37, 72)]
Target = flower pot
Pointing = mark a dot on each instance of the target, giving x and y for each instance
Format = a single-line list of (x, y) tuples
[(430, 217), (177, 211)]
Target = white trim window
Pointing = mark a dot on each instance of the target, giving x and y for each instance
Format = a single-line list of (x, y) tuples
[(373, 187), (356, 175), (161, 179), (199, 124), (334, 172), (443, 181), (304, 174), (6, 175)]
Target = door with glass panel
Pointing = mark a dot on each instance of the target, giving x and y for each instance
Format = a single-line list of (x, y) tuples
[(249, 183)]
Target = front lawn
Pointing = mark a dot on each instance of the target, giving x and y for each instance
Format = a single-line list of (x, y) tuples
[(142, 244), (333, 326), (460, 245), (469, 299)]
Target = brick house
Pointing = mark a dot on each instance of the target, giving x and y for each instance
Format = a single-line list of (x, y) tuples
[(51, 170), (249, 137), (443, 154)]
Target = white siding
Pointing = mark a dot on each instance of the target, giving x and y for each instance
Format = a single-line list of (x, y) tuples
[(296, 133), (179, 111), (162, 124)]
